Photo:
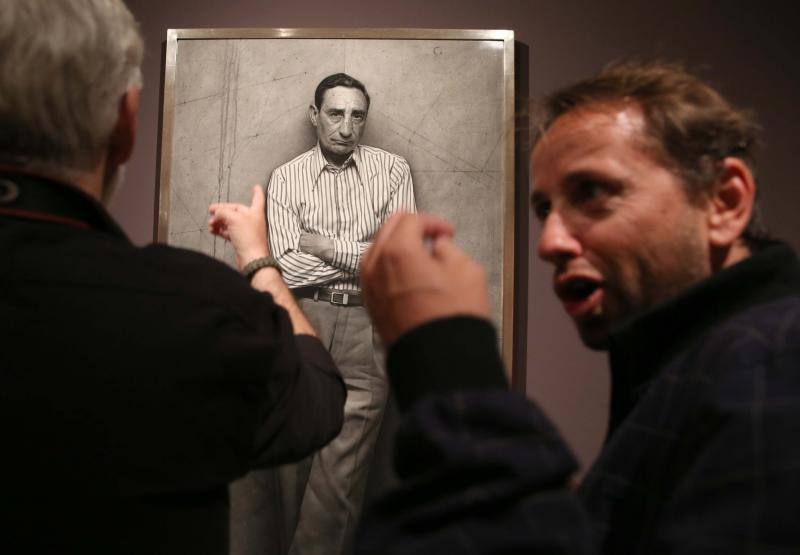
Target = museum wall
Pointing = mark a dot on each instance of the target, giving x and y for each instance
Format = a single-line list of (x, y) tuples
[(747, 49)]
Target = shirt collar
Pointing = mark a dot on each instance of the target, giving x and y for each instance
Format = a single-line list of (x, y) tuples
[(320, 164)]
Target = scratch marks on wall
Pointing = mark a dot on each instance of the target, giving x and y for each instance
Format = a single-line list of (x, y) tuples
[(440, 150), (228, 123)]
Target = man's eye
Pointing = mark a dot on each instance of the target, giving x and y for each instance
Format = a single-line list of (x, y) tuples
[(334, 116), (541, 209), (358, 117), (587, 191)]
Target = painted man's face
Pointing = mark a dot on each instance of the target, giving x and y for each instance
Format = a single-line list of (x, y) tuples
[(340, 122)]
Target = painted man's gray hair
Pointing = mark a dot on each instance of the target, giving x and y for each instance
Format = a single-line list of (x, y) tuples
[(65, 66)]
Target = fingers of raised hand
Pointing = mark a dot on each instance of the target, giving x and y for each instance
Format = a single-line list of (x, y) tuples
[(406, 233), (220, 230), (257, 202), (432, 226), (226, 211), (218, 206), (414, 229), (223, 216)]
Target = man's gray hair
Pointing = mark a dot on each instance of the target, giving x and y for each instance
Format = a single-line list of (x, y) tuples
[(65, 66)]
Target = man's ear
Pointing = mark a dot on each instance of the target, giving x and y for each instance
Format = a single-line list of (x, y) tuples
[(312, 114), (730, 203), (123, 136)]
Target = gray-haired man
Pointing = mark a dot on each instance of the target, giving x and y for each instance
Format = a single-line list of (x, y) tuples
[(135, 383)]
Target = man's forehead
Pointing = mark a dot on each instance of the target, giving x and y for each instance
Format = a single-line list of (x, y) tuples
[(581, 134), (595, 122), (343, 97)]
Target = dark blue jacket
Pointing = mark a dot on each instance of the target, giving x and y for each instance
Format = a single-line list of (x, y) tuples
[(702, 455)]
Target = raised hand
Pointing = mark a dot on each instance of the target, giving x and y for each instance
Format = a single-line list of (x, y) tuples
[(414, 273), (244, 226)]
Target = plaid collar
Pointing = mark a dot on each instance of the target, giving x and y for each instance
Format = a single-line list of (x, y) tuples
[(640, 349)]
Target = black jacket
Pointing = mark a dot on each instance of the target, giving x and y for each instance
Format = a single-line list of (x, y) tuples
[(136, 383), (702, 455)]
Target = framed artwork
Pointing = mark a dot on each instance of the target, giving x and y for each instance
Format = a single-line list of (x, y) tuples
[(236, 106)]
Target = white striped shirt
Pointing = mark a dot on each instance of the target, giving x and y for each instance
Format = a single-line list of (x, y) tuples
[(348, 205)]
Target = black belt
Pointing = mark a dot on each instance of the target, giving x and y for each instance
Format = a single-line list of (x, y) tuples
[(333, 296)]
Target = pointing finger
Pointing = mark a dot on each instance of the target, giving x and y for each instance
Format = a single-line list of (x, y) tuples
[(258, 198)]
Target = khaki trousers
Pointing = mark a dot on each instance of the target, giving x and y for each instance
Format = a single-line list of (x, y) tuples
[(323, 495)]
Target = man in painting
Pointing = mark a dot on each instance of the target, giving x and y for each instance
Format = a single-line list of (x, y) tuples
[(323, 208), (135, 383), (643, 181)]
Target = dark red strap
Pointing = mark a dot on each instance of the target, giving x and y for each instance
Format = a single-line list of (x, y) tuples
[(44, 217)]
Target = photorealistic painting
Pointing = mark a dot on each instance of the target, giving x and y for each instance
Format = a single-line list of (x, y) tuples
[(342, 128), (236, 107)]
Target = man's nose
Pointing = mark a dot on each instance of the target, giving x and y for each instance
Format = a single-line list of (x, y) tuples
[(557, 242), (346, 129)]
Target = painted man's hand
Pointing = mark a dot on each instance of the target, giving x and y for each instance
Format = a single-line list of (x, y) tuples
[(319, 246), (244, 226), (414, 273)]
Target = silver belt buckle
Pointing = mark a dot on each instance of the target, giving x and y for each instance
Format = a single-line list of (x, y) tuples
[(343, 297)]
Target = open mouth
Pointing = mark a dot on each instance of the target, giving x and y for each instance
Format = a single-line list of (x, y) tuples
[(576, 289), (580, 296)]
